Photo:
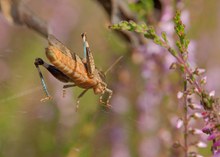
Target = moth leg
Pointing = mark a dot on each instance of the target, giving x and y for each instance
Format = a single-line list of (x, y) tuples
[(83, 35), (110, 92), (77, 102), (37, 63), (101, 99), (88, 57), (67, 86), (53, 70)]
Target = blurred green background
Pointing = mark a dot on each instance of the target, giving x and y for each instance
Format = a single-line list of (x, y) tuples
[(32, 128)]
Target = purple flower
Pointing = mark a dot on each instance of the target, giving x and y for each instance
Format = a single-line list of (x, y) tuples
[(207, 129), (216, 144), (213, 136), (217, 153)]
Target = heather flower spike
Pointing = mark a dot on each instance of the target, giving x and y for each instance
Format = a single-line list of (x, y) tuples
[(193, 83)]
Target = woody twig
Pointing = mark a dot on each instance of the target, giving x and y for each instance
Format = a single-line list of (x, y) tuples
[(17, 12)]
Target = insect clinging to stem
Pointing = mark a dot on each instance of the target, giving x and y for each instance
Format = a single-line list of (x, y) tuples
[(69, 67)]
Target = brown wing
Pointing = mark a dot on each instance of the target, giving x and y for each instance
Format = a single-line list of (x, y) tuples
[(54, 42)]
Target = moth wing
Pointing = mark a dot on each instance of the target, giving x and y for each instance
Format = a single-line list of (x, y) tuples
[(53, 41)]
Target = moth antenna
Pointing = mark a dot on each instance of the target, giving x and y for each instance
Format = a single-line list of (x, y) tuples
[(116, 62)]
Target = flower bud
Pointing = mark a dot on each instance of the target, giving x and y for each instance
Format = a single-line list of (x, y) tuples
[(179, 123), (201, 144), (212, 93), (179, 95)]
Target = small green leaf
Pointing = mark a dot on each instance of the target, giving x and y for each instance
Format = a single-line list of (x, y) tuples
[(173, 52), (158, 41), (164, 36)]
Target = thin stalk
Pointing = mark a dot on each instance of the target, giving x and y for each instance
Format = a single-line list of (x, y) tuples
[(185, 119), (186, 67)]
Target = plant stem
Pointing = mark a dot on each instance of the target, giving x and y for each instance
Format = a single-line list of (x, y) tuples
[(185, 119), (186, 67)]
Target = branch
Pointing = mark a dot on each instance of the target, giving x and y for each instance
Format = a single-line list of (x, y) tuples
[(17, 12), (117, 10)]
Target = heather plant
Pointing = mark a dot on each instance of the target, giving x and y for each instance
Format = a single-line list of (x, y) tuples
[(145, 119), (193, 87)]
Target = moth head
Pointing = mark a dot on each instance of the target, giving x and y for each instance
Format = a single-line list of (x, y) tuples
[(100, 88)]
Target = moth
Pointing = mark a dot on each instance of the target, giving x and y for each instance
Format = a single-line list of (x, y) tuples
[(68, 67)]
